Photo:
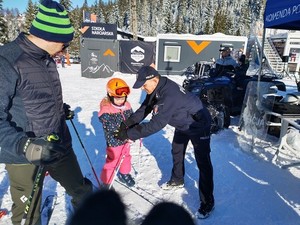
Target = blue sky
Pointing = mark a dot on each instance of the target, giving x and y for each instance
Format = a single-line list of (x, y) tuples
[(22, 4)]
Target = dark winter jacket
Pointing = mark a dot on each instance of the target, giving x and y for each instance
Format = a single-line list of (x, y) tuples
[(225, 66), (31, 98), (170, 104)]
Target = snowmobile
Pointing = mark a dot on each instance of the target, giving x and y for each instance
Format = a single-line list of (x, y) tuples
[(211, 92), (221, 94)]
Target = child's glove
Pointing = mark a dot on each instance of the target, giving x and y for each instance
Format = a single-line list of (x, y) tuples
[(128, 123)]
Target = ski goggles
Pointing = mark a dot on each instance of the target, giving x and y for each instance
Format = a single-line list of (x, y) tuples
[(123, 91)]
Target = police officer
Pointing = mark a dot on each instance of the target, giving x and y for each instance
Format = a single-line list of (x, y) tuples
[(171, 104)]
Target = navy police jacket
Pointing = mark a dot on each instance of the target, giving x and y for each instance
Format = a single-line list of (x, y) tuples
[(170, 104)]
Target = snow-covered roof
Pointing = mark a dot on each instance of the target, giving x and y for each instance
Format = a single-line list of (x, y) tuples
[(213, 37)]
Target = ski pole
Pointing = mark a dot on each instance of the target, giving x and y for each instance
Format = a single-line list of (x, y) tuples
[(116, 171), (135, 192), (37, 181), (140, 150), (117, 168), (35, 187), (86, 154)]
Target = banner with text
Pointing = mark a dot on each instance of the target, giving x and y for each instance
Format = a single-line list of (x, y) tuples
[(99, 30)]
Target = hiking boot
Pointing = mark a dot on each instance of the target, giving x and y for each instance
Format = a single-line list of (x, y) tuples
[(171, 184), (205, 210), (126, 179)]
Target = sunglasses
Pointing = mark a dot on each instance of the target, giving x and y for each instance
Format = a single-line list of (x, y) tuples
[(65, 45), (122, 90)]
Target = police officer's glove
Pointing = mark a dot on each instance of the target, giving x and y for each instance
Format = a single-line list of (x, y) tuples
[(43, 150), (121, 134), (68, 112), (128, 123), (123, 126)]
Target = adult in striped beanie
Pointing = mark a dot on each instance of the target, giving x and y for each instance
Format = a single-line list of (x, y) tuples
[(33, 132), (52, 23)]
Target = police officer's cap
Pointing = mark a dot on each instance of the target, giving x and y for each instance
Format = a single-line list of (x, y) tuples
[(145, 73)]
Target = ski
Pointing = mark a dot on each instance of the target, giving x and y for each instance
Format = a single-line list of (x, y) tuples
[(48, 208), (137, 190)]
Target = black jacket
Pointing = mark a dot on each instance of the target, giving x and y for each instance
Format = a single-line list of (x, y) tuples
[(31, 98), (170, 104)]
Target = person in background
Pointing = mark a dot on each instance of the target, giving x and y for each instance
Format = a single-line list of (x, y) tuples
[(226, 64), (241, 73), (33, 129), (171, 104), (115, 109), (62, 59), (243, 64)]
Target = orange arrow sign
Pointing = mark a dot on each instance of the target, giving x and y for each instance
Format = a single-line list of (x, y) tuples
[(108, 52), (84, 29), (198, 48)]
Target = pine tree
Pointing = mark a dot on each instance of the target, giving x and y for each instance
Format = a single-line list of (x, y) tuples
[(154, 16), (106, 10), (207, 17), (229, 26), (199, 8), (142, 7), (151, 17), (191, 19), (220, 21), (256, 8), (167, 26), (13, 22), (67, 4), (30, 15), (115, 15), (3, 26), (246, 18), (99, 11), (207, 28), (76, 20), (255, 12), (179, 25)]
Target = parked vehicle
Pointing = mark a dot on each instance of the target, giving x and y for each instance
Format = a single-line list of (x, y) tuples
[(220, 93)]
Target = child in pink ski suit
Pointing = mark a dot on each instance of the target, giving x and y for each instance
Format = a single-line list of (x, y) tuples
[(115, 109)]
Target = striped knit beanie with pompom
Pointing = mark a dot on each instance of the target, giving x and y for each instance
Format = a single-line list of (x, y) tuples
[(52, 23)]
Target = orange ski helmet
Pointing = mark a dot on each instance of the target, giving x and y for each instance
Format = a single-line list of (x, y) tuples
[(117, 87)]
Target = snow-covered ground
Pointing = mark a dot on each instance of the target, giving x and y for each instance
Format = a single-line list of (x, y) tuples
[(249, 187)]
